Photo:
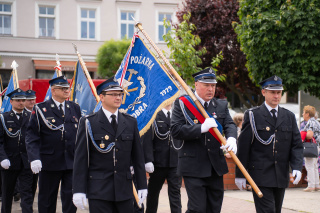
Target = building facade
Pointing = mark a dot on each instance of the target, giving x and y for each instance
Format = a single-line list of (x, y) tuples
[(33, 31)]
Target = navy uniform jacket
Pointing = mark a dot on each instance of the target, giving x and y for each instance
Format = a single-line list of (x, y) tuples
[(201, 153), (14, 148), (156, 150), (107, 176), (268, 167), (54, 149)]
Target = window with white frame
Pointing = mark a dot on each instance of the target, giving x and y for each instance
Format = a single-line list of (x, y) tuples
[(46, 21), (161, 29), (5, 18), (88, 23), (127, 24)]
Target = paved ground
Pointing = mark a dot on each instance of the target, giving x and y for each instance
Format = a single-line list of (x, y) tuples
[(234, 201)]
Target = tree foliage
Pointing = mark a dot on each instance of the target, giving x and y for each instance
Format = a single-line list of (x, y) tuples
[(213, 20), (282, 37), (110, 56), (181, 43)]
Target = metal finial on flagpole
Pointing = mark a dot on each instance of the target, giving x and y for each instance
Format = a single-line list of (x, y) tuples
[(58, 59), (14, 65), (58, 67), (75, 48)]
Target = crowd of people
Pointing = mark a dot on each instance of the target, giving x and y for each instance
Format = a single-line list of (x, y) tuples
[(100, 160)]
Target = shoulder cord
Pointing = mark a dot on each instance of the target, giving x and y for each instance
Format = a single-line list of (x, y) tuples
[(253, 127), (47, 123), (158, 134), (89, 130), (11, 135)]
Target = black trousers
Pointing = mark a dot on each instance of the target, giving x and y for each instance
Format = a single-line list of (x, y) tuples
[(49, 182), (205, 195), (34, 184), (104, 206), (9, 179), (156, 181), (272, 200)]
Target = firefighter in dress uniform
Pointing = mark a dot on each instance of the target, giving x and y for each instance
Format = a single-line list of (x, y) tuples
[(161, 159), (268, 144), (13, 155), (50, 143), (201, 159), (107, 143)]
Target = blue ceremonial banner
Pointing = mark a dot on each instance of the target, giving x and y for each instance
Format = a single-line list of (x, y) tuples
[(81, 91), (6, 105), (149, 87), (48, 95)]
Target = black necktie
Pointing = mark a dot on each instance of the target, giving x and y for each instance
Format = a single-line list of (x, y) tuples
[(61, 110), (273, 111), (205, 105), (20, 116), (168, 113), (114, 122)]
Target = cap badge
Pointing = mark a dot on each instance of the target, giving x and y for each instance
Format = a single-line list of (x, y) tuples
[(19, 90), (275, 78), (64, 77), (210, 70)]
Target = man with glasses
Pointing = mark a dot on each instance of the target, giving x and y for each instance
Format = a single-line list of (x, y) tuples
[(50, 143), (108, 142), (13, 155)]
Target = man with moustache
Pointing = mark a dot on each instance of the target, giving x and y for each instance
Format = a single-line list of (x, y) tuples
[(13, 155), (50, 143), (108, 142), (268, 144), (201, 159)]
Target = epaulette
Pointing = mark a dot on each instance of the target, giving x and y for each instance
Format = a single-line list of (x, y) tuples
[(90, 115), (124, 113), (254, 108)]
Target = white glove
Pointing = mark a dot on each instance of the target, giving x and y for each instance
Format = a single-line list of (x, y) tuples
[(207, 124), (131, 170), (149, 167), (231, 145), (297, 174), (36, 166), (241, 183), (142, 194), (80, 200), (5, 164)]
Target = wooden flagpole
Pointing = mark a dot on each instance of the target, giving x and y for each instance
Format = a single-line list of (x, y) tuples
[(86, 72), (200, 107)]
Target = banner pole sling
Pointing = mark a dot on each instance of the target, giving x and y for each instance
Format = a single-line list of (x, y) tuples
[(200, 107)]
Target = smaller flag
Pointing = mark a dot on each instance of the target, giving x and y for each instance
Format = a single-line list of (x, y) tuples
[(6, 105), (82, 92)]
